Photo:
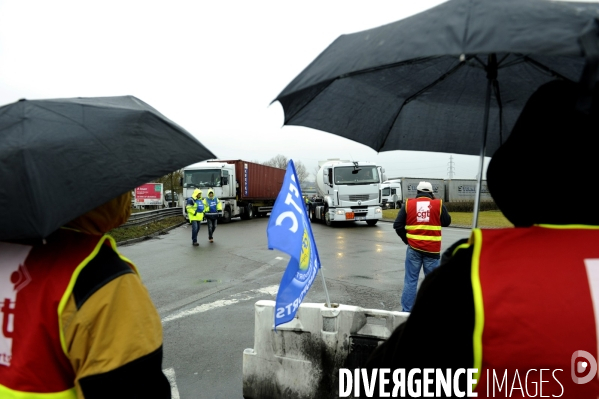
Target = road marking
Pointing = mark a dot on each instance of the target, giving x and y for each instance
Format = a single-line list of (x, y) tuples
[(170, 375), (221, 287), (241, 297)]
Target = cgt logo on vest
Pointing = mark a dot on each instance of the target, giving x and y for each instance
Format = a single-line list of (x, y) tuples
[(13, 277), (423, 211), (586, 367)]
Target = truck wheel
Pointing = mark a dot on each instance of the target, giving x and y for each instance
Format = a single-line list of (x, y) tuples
[(327, 219), (226, 215), (371, 222), (248, 212)]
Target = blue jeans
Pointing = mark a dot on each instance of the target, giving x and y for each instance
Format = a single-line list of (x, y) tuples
[(195, 227), (414, 261), (211, 226)]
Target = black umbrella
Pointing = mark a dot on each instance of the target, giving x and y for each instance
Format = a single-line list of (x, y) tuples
[(61, 158), (440, 80)]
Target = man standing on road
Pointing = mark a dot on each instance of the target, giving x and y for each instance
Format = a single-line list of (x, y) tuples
[(418, 224), (196, 205), (213, 210)]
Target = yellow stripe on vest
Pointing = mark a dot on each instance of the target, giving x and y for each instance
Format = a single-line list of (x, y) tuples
[(568, 226), (423, 227), (479, 310), (6, 393), (423, 238)]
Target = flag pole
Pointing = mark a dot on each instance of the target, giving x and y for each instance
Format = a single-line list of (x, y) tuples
[(324, 284)]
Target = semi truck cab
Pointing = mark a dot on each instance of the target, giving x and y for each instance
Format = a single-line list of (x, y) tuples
[(350, 192)]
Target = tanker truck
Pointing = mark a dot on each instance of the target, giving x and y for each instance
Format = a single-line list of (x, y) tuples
[(245, 189), (348, 191)]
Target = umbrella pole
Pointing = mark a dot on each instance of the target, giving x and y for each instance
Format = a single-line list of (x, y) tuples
[(491, 77)]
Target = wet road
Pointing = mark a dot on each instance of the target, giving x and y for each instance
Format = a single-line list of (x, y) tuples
[(205, 295)]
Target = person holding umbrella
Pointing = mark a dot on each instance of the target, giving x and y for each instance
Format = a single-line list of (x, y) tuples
[(105, 341), (213, 209), (196, 206), (75, 318), (418, 224), (521, 299)]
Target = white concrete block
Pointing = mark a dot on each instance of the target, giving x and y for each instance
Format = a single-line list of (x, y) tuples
[(302, 359)]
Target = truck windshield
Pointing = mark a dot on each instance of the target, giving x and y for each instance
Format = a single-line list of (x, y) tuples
[(167, 197), (201, 178), (363, 175)]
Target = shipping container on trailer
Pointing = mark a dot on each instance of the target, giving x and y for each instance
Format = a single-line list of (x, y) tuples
[(256, 182)]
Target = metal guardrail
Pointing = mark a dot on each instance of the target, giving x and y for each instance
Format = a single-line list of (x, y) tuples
[(140, 218)]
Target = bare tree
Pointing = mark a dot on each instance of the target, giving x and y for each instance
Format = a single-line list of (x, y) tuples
[(280, 161), (171, 182), (302, 173)]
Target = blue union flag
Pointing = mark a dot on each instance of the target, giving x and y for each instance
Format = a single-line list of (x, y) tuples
[(289, 231)]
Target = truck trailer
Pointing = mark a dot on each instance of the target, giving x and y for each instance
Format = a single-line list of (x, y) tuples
[(348, 191), (245, 189), (464, 190)]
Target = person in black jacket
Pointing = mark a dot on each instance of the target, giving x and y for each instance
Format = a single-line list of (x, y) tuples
[(553, 143)]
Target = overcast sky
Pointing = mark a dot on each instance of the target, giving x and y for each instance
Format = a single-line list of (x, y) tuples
[(212, 67)]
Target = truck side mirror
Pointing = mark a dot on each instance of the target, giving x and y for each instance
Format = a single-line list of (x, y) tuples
[(330, 175), (181, 182)]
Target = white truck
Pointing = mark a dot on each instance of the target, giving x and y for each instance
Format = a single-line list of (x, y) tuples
[(245, 189), (348, 191), (391, 194), (171, 202)]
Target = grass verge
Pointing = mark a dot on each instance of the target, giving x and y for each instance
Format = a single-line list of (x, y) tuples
[(486, 219), (128, 233)]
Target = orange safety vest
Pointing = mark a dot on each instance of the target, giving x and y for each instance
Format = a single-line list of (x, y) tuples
[(423, 224), (35, 284), (533, 293)]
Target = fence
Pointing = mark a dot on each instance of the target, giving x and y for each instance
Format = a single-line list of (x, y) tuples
[(140, 218)]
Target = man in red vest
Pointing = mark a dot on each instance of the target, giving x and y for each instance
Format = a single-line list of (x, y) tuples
[(520, 305), (418, 224)]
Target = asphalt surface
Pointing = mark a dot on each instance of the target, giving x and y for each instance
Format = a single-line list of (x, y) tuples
[(205, 295)]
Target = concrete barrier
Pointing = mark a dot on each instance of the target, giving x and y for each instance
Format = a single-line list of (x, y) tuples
[(302, 359)]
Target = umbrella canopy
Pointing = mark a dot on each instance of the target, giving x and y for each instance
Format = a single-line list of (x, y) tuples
[(61, 158), (420, 83)]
